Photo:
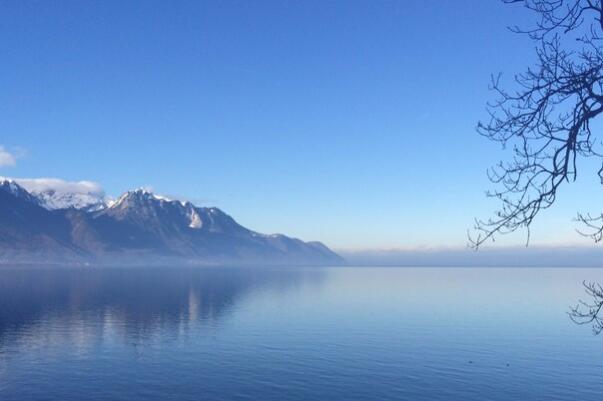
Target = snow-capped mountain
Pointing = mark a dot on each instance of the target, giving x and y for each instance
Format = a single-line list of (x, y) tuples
[(55, 200), (55, 194), (11, 186), (138, 227), (142, 205)]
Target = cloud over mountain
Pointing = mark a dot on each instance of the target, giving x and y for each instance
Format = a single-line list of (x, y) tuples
[(59, 185), (55, 193)]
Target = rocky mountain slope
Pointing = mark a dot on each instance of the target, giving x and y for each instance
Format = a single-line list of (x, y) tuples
[(138, 228)]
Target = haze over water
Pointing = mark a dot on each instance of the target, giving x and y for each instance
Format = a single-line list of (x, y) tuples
[(296, 334)]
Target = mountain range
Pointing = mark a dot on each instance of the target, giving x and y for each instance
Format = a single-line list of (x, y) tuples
[(138, 228)]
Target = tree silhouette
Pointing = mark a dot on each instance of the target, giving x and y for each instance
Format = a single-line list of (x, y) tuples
[(545, 118)]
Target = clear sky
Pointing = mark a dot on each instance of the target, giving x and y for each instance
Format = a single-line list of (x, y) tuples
[(349, 122)]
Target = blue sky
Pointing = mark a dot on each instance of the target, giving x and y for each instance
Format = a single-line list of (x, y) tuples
[(349, 122)]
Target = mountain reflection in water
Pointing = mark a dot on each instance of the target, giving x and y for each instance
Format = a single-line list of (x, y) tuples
[(131, 304), (296, 334)]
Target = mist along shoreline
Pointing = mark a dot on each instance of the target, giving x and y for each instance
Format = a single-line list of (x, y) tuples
[(259, 266), (175, 265)]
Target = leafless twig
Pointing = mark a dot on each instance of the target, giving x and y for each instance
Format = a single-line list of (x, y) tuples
[(545, 120)]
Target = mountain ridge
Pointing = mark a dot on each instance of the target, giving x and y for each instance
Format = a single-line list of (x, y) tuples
[(139, 227)]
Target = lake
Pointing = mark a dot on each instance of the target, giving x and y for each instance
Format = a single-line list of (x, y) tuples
[(296, 334)]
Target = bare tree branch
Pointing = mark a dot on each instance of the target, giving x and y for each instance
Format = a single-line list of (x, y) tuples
[(545, 120), (588, 312)]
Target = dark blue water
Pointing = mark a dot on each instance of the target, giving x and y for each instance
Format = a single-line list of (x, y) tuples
[(296, 334)]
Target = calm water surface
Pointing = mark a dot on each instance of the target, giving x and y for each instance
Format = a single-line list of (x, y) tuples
[(296, 334)]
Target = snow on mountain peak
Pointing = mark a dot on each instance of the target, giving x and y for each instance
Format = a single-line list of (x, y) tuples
[(53, 200), (53, 193), (138, 194), (144, 196), (11, 186)]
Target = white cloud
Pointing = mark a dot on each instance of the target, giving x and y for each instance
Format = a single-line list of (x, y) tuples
[(37, 185), (6, 158)]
